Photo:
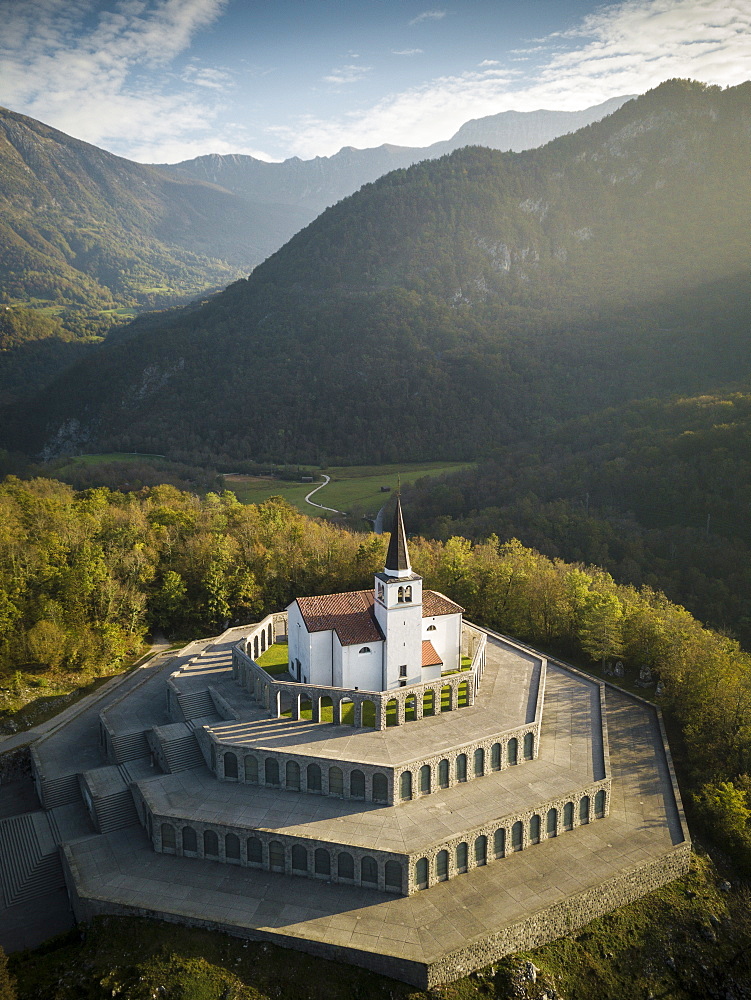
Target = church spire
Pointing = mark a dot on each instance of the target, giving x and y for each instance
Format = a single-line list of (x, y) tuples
[(397, 557)]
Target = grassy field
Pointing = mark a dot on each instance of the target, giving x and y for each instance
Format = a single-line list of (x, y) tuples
[(351, 486)]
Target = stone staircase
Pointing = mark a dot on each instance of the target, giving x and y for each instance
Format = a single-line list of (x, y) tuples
[(111, 802), (29, 860), (130, 746), (197, 705), (60, 791), (177, 747)]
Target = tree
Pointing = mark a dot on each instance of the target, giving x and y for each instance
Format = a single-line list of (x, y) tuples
[(7, 982), (601, 631)]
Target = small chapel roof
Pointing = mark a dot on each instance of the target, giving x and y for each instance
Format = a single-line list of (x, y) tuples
[(350, 615), (434, 603), (430, 657)]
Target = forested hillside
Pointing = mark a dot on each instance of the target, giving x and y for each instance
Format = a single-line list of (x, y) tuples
[(82, 576), (456, 306)]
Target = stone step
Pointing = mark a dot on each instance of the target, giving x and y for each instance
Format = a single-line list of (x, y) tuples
[(196, 704), (60, 791), (29, 861), (130, 746), (116, 811)]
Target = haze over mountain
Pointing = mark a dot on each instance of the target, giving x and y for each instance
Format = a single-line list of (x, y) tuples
[(455, 305)]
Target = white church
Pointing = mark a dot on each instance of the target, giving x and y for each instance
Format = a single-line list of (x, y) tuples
[(392, 636)]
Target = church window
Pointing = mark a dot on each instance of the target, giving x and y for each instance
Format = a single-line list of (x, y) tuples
[(431, 628), (365, 649), (402, 683), (403, 670), (381, 591), (407, 595)]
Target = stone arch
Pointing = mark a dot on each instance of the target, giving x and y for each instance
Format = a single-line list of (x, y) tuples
[(600, 801), (210, 844), (428, 703), (306, 707), (271, 634), (255, 647), (392, 712), (292, 776), (534, 829), (442, 865), (517, 836), (250, 766), (462, 857), (322, 862), (254, 849), (380, 787), (369, 871), (230, 765), (326, 710), (568, 816), (232, 847), (410, 708), (393, 876), (190, 841), (443, 774), (584, 810), (263, 640), (462, 699), (367, 714), (313, 776), (460, 767), (529, 746), (479, 762), (346, 712), (512, 752), (271, 771), (336, 781), (481, 850), (357, 784), (408, 594), (405, 786), (495, 757), (447, 698), (276, 856), (299, 858), (499, 843), (425, 779), (345, 866), (169, 838), (421, 874), (551, 823)]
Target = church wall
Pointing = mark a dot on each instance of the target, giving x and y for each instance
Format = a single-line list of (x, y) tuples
[(362, 670), (320, 667), (403, 645), (446, 639)]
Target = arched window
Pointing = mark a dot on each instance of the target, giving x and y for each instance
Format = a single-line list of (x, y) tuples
[(513, 750), (529, 746), (461, 767), (276, 856), (495, 757), (479, 762), (190, 841), (210, 844), (568, 816), (230, 765), (443, 774), (600, 804), (425, 779), (322, 862), (421, 873), (393, 872), (292, 776), (263, 641), (442, 866), (346, 866), (369, 871), (251, 770), (462, 857), (365, 649), (584, 809), (255, 647), (499, 843), (314, 778), (271, 771), (299, 858), (357, 785), (232, 847), (481, 851), (534, 829), (517, 836), (336, 781), (380, 787), (431, 628), (551, 823), (405, 785), (255, 851), (400, 596), (169, 840), (408, 595)]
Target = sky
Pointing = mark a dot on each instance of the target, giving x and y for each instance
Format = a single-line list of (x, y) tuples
[(164, 80)]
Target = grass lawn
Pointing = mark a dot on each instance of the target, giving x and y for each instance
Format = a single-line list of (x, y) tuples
[(350, 486), (275, 659)]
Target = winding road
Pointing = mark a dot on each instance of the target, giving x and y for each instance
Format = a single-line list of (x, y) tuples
[(327, 480)]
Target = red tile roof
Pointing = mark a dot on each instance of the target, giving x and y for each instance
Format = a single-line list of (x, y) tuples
[(435, 603), (349, 615), (429, 656)]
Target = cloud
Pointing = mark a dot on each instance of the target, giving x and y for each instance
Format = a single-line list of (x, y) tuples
[(347, 74), (622, 48), (105, 74), (406, 52), (427, 15)]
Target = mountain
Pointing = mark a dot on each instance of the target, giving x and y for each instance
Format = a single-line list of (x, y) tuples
[(318, 183), (80, 226), (454, 306)]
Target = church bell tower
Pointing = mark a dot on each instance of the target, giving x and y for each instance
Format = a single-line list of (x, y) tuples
[(398, 611)]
